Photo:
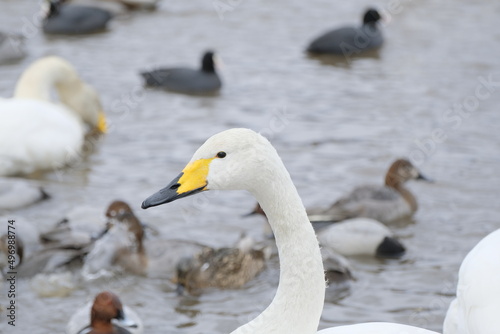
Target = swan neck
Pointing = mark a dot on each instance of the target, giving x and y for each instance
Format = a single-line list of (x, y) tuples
[(41, 80), (298, 303)]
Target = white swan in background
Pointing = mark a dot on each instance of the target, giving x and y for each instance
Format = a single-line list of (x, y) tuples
[(38, 133), (242, 159), (476, 310)]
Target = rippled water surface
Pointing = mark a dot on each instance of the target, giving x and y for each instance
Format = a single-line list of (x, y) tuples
[(335, 126)]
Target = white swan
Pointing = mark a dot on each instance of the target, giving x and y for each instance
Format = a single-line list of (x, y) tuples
[(476, 310), (242, 159), (37, 133)]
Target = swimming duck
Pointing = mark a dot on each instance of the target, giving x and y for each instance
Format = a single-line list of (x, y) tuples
[(338, 275), (18, 193), (476, 308), (53, 259), (65, 246), (140, 4), (115, 8), (81, 225), (12, 47), (361, 236), (223, 268), (124, 247), (355, 236), (9, 261), (107, 316), (39, 134), (242, 159), (37, 258), (71, 19), (350, 40), (383, 203), (186, 80)]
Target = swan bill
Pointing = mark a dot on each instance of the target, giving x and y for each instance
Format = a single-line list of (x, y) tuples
[(102, 126), (192, 180)]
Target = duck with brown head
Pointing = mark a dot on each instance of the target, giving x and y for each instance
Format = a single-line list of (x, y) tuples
[(107, 316), (124, 247), (387, 203)]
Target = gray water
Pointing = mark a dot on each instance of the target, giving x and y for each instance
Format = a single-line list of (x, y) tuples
[(335, 126)]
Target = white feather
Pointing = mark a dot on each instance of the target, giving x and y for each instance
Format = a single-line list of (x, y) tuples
[(476, 310)]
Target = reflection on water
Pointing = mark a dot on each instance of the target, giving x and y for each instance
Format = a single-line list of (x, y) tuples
[(334, 126)]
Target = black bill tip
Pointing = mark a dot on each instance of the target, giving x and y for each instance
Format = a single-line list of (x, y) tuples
[(424, 178), (169, 194)]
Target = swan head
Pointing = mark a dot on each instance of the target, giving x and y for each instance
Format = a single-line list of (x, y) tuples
[(84, 100), (236, 159)]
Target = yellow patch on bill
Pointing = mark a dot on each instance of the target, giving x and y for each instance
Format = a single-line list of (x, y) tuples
[(195, 176)]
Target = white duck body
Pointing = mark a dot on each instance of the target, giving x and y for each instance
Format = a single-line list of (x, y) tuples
[(16, 193), (360, 236), (476, 310), (242, 159), (37, 133)]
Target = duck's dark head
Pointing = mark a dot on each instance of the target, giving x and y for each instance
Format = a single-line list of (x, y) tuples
[(207, 62), (371, 16), (53, 7)]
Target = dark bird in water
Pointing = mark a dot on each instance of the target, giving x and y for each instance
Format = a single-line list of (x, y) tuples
[(350, 40), (186, 80), (69, 19)]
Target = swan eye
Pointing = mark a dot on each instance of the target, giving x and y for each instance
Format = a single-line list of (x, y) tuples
[(221, 155)]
